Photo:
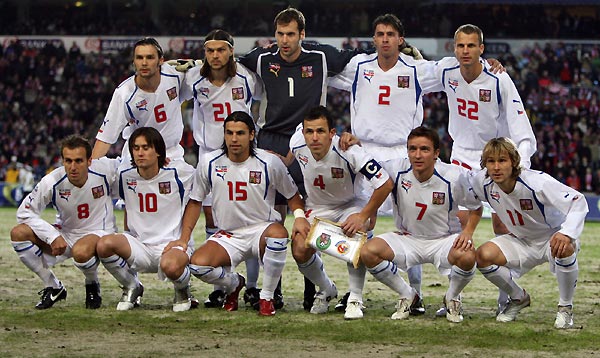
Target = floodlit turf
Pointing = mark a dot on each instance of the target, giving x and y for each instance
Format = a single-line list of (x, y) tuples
[(153, 330)]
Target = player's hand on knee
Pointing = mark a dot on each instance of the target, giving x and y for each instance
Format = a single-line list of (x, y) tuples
[(301, 227), (58, 246), (464, 242), (560, 245), (176, 244)]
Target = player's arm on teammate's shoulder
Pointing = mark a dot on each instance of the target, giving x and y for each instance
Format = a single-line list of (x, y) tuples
[(301, 226), (495, 65), (184, 64), (411, 51), (347, 140), (100, 149)]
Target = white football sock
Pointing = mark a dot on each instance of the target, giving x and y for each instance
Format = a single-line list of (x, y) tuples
[(119, 268), (182, 281), (459, 278), (274, 262), (356, 281), (218, 276), (89, 269), (502, 278), (386, 272), (314, 271), (32, 257), (567, 271)]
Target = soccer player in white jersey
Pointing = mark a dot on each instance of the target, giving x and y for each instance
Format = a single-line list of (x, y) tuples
[(329, 178), (243, 181), (80, 191), (149, 98), (545, 219), (155, 198), (218, 88), (426, 196), (386, 91), (482, 106)]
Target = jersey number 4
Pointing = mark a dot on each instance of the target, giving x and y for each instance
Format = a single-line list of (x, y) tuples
[(319, 183), (468, 109)]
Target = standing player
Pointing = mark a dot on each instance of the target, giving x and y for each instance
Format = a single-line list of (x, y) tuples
[(427, 193), (482, 106), (243, 181), (329, 176), (155, 198), (295, 80), (386, 91), (80, 191), (150, 98), (221, 86), (545, 219)]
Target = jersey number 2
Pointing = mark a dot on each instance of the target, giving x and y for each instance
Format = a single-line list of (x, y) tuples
[(468, 109), (384, 95)]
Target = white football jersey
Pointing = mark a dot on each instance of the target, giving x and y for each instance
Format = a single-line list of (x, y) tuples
[(538, 206), (488, 107), (155, 207), (131, 108), (80, 210), (212, 104), (243, 193), (386, 105), (428, 210), (330, 181)]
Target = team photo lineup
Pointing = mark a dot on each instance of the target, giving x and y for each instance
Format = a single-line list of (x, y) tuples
[(269, 146)]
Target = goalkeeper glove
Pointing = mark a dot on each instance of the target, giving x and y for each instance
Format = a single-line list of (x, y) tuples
[(411, 51), (183, 65)]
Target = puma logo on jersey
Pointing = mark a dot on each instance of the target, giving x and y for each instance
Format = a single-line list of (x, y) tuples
[(453, 84), (221, 170), (368, 75), (204, 91), (64, 194), (405, 184), (495, 195), (303, 159), (274, 68), (132, 184), (141, 105)]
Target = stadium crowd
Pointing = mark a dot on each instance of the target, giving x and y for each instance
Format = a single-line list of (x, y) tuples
[(331, 18)]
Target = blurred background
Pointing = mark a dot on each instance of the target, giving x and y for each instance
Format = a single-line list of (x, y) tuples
[(60, 62)]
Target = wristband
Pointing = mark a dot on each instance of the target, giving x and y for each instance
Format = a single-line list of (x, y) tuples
[(298, 213)]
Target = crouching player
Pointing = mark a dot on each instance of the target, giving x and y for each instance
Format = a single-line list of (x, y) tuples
[(329, 178), (155, 198), (80, 191), (545, 219), (243, 181), (426, 197)]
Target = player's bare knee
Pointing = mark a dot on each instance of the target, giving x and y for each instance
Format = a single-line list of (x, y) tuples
[(276, 230), (20, 233), (466, 260), (300, 252), (82, 253), (368, 257), (171, 267), (105, 246), (485, 255)]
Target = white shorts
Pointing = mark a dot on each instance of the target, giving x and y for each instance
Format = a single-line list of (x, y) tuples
[(522, 256), (467, 158), (241, 244), (339, 214), (146, 258), (410, 251), (70, 239)]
